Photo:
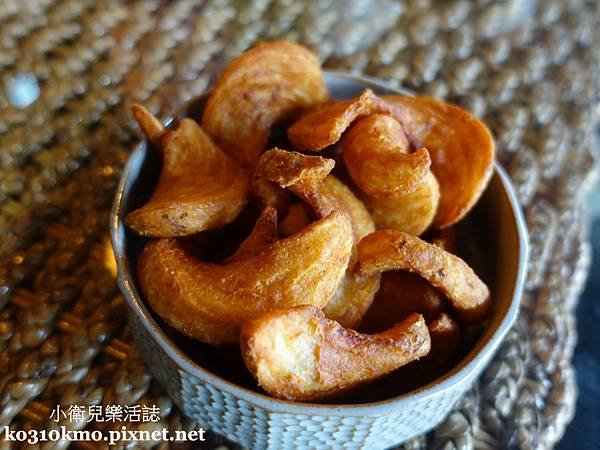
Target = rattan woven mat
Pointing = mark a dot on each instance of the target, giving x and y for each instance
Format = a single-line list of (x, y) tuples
[(535, 81)]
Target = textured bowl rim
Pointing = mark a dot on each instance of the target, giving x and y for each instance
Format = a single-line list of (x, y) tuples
[(474, 359)]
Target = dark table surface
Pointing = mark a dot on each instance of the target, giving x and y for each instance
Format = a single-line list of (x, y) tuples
[(584, 432)]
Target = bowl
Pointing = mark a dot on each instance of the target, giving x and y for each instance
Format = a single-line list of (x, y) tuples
[(232, 408)]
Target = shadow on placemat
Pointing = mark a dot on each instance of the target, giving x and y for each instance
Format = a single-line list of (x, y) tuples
[(584, 432)]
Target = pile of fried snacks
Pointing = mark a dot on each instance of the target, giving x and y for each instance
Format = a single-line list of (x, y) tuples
[(327, 284)]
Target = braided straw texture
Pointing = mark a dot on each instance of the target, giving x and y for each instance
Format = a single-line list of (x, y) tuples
[(529, 69)]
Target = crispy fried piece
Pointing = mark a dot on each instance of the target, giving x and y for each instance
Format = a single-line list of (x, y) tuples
[(150, 125), (279, 169), (392, 250), (412, 213), (200, 187), (263, 234), (299, 354), (209, 302), (461, 149), (341, 198), (301, 174), (305, 176), (324, 124), (445, 339), (445, 342), (376, 154), (269, 194), (398, 189), (293, 168), (402, 293), (272, 82), (297, 218), (355, 294)]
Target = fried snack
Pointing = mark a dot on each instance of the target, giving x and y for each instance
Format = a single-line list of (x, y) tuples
[(324, 124), (200, 187), (392, 250), (279, 169), (299, 354), (297, 218), (263, 234), (269, 194), (402, 293), (445, 339), (461, 149), (150, 125), (355, 294), (209, 301), (300, 173), (412, 213), (376, 154), (272, 82), (307, 177)]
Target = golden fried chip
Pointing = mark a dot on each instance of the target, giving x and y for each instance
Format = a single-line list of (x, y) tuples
[(200, 187), (150, 125), (445, 338), (324, 124), (402, 293), (263, 234), (269, 194), (293, 168), (209, 301), (376, 154), (299, 354), (271, 82), (412, 213), (301, 174), (305, 176), (392, 250), (461, 149), (355, 294), (278, 169)]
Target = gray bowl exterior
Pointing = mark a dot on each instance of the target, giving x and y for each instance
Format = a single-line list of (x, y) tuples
[(255, 420)]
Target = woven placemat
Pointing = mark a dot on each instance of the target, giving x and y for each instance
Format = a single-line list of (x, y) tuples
[(529, 69)]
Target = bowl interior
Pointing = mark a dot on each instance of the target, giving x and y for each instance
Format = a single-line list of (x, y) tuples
[(496, 250)]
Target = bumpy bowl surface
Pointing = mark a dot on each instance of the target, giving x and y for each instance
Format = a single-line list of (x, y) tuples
[(256, 420)]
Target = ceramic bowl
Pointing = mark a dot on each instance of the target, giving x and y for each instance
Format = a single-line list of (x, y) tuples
[(212, 387)]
